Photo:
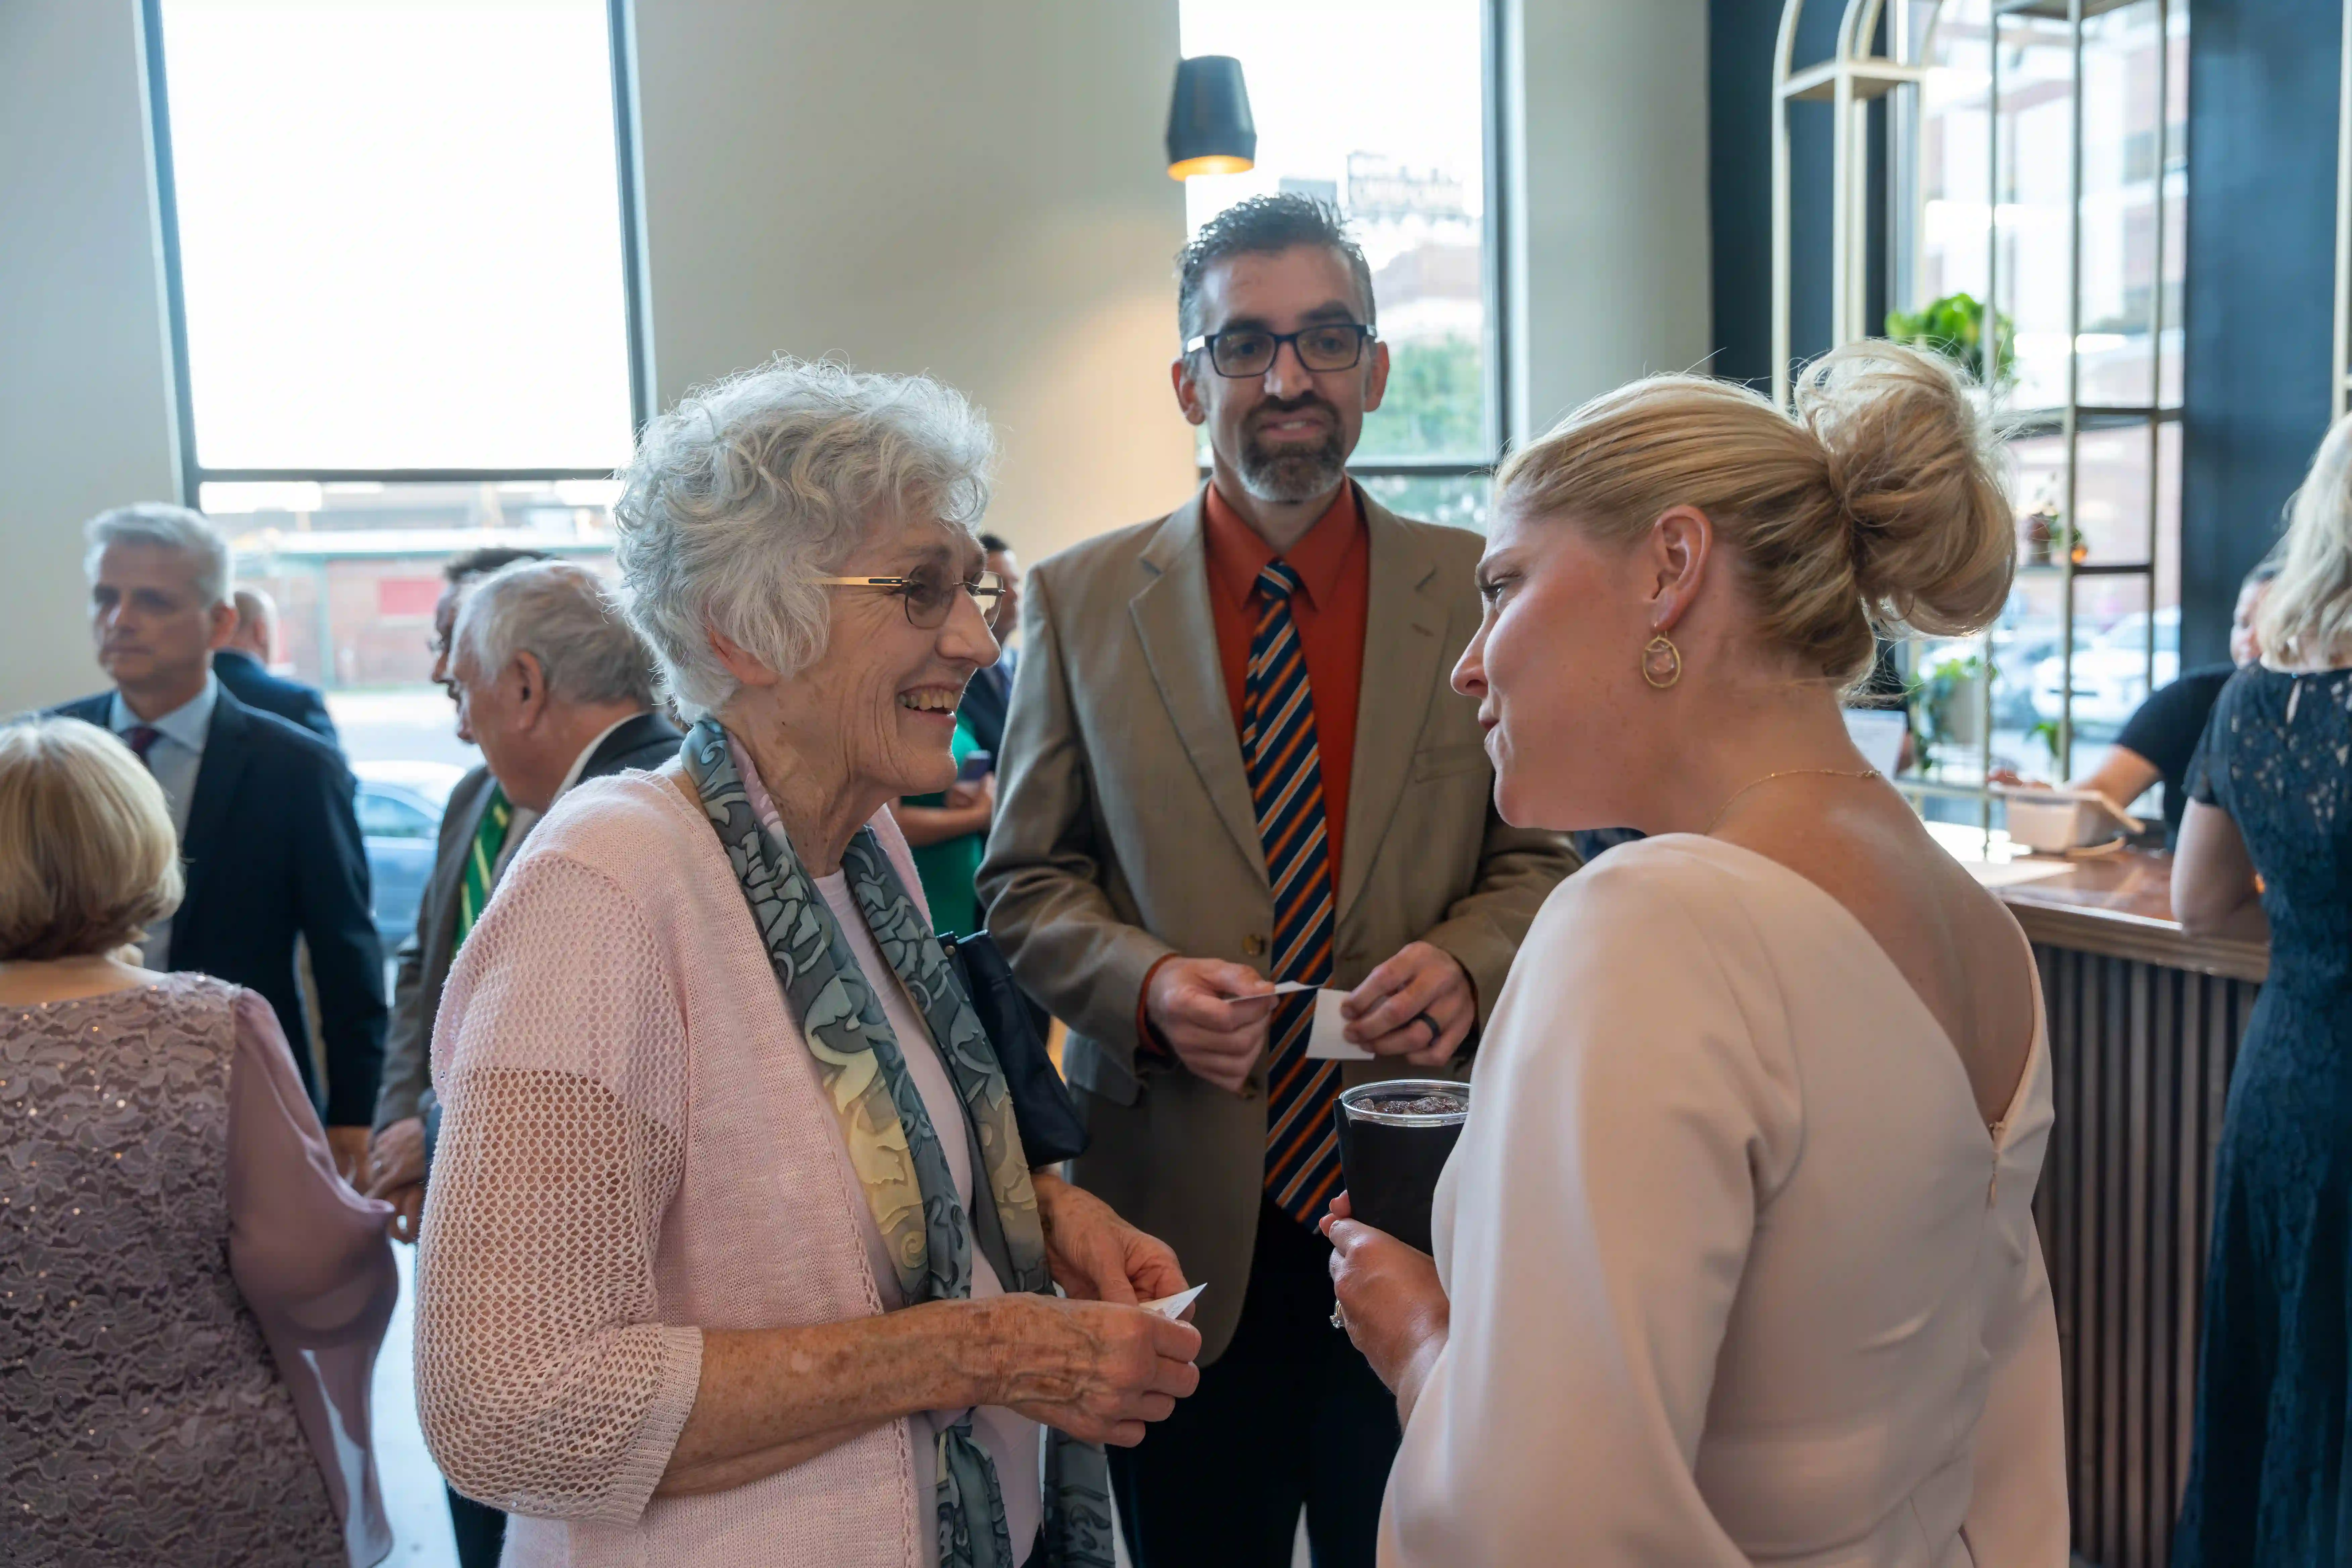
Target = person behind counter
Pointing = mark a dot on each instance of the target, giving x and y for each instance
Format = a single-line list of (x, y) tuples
[(2160, 738), (2270, 794)]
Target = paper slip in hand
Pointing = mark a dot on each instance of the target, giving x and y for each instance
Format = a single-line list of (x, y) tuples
[(1329, 1043), (1172, 1306), (1292, 988)]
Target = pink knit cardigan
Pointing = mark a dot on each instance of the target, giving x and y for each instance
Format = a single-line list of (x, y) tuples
[(634, 1149)]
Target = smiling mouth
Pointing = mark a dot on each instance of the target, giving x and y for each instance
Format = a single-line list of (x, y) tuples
[(930, 700)]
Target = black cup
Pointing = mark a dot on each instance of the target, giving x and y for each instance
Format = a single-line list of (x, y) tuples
[(1393, 1151)]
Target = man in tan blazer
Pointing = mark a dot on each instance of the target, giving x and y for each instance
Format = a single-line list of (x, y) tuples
[(1233, 757)]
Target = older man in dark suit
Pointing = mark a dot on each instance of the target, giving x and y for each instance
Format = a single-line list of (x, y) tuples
[(264, 808)]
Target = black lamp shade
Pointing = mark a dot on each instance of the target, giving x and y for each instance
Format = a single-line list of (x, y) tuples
[(1210, 130)]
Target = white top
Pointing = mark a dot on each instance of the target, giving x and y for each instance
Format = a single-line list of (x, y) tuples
[(1738, 1274), (1014, 1441)]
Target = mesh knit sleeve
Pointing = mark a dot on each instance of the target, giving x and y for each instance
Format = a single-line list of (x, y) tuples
[(545, 1382)]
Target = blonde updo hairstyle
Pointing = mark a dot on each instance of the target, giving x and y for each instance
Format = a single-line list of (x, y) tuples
[(1877, 503), (87, 857)]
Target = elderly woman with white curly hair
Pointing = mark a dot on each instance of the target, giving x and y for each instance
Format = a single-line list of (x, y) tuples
[(732, 1254)]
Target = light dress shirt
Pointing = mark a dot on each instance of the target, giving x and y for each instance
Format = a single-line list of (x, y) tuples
[(174, 758)]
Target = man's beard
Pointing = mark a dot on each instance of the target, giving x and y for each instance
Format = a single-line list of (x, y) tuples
[(1292, 473)]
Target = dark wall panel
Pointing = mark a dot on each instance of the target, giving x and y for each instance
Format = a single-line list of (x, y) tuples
[(2260, 313), (1741, 36)]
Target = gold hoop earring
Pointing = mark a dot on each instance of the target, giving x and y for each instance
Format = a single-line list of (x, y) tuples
[(1662, 663)]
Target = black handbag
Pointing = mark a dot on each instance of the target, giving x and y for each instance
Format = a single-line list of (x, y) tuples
[(1051, 1128)]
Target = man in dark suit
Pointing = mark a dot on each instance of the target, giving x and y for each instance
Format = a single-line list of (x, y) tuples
[(264, 808), (555, 687), (243, 665), (989, 694)]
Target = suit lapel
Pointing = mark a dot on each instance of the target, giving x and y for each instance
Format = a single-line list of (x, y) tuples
[(1179, 633), (217, 778), (1403, 645), (466, 804)]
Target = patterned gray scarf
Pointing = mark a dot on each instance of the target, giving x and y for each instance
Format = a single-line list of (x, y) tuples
[(893, 1146)]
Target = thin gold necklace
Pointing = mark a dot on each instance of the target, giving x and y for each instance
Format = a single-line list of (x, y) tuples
[(1787, 774)]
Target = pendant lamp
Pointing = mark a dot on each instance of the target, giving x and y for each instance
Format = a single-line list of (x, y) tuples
[(1210, 130)]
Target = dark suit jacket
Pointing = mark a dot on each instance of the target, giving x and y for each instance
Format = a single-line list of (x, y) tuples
[(986, 700), (290, 700), (647, 741), (272, 851)]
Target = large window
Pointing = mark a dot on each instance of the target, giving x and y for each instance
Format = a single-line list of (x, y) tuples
[(1381, 107), (401, 277), (2081, 251)]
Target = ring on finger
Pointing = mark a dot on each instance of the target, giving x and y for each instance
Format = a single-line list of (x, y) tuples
[(1435, 1034)]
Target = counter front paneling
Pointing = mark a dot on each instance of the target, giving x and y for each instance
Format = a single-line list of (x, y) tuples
[(2145, 1021)]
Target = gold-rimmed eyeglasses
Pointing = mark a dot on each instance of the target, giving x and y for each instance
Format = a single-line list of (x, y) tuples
[(929, 598)]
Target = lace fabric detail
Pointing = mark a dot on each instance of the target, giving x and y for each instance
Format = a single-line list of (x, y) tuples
[(2278, 758), (544, 1382), (145, 1421)]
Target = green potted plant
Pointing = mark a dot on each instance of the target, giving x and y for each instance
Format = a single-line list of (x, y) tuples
[(1953, 327), (1945, 705)]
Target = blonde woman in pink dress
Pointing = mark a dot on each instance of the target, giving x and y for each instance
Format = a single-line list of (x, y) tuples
[(1735, 1259)]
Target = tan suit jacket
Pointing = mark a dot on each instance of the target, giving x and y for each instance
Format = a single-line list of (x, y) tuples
[(1125, 832)]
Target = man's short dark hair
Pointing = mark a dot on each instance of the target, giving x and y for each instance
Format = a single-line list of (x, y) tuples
[(482, 562), (1265, 226), (994, 544)]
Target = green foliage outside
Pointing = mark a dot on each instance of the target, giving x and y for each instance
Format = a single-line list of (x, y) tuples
[(1953, 327), (1435, 407)]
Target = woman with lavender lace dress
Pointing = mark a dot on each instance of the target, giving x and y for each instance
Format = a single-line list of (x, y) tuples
[(190, 1299)]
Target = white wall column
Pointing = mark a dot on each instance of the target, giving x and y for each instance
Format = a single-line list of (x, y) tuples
[(85, 372), (1605, 132), (975, 191)]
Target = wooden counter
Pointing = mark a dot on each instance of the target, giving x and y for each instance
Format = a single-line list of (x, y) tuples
[(2144, 1022), (2120, 906)]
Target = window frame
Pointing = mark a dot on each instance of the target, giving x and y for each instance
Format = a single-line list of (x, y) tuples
[(1495, 278), (194, 475)]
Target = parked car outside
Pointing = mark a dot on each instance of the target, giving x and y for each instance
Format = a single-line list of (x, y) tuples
[(400, 806), (2112, 677)]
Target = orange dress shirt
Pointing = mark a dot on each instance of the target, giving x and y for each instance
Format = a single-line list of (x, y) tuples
[(1331, 611), (1334, 602)]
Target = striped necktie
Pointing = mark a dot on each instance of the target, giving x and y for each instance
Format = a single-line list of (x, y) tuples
[(481, 863), (1285, 779)]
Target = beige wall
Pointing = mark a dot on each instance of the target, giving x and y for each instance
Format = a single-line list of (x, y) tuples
[(975, 191), (85, 387), (1607, 165)]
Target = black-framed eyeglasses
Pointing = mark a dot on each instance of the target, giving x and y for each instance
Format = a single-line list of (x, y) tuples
[(1250, 350), (929, 599)]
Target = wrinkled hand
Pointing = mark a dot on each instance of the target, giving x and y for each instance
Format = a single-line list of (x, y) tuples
[(1214, 1014), (1395, 1307), (1098, 1372), (1384, 1013), (396, 1173), (349, 1145), (1098, 1256)]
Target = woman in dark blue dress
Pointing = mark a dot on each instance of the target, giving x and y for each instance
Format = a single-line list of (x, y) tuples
[(2272, 793)]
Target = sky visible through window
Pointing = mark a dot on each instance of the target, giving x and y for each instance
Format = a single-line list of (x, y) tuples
[(1378, 106), (400, 233)]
